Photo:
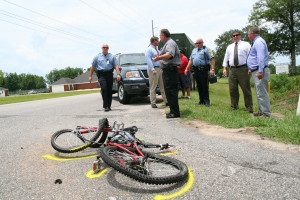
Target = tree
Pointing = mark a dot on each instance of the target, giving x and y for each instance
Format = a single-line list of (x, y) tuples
[(282, 19), (68, 72), (11, 82), (1, 78)]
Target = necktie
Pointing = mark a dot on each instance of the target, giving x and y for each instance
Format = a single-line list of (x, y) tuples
[(236, 58)]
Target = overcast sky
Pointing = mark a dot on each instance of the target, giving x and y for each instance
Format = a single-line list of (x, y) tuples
[(38, 36)]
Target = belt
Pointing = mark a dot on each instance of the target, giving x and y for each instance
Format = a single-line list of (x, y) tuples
[(201, 66), (238, 66), (253, 70)]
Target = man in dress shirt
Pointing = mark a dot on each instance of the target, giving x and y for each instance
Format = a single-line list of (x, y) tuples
[(154, 72), (169, 59), (257, 63), (203, 62), (238, 71)]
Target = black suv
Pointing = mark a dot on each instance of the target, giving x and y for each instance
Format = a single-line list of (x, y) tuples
[(134, 75)]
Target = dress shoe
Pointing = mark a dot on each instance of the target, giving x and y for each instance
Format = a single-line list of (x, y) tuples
[(257, 114), (109, 109), (154, 105), (106, 109), (171, 115)]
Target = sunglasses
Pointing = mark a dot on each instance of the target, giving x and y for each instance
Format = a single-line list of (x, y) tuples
[(198, 42), (236, 35), (105, 48)]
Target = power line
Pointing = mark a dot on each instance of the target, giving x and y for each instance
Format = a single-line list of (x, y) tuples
[(53, 19), (109, 17), (39, 24)]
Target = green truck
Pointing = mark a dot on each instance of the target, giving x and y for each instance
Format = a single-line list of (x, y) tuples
[(183, 42)]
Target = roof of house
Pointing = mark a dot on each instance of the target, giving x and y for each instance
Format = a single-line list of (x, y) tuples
[(63, 81), (1, 88), (83, 78)]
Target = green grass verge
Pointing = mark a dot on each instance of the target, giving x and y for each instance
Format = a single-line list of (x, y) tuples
[(285, 130)]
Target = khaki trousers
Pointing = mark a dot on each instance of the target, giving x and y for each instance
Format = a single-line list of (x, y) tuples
[(155, 80)]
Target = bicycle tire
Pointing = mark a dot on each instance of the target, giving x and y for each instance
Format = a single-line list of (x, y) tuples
[(66, 141), (152, 171)]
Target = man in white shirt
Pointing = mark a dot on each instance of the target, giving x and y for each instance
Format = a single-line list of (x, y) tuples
[(235, 59)]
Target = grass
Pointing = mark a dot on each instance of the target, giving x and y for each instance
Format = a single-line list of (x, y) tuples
[(40, 96), (286, 130)]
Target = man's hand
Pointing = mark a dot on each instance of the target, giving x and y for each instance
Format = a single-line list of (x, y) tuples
[(90, 79), (260, 75)]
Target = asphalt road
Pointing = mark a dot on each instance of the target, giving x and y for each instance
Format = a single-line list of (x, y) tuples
[(220, 168)]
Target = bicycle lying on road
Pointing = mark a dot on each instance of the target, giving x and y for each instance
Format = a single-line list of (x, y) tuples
[(123, 152)]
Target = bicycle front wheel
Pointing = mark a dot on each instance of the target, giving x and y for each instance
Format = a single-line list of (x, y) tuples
[(151, 168), (70, 141)]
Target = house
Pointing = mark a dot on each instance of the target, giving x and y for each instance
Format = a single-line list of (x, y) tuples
[(3, 92), (79, 83)]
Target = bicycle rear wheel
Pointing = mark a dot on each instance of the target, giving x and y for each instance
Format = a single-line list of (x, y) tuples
[(151, 168), (70, 141)]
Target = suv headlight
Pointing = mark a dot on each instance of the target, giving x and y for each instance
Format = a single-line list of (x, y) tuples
[(133, 74)]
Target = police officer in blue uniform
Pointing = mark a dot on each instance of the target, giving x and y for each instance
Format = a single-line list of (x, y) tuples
[(104, 64), (202, 60)]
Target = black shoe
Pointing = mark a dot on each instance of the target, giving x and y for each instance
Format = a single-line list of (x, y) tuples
[(201, 103), (207, 104), (106, 109), (154, 105), (171, 115), (109, 109)]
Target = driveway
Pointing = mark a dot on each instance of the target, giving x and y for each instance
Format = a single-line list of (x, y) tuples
[(224, 164)]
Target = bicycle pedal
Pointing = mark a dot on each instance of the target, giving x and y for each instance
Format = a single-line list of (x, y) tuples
[(96, 166)]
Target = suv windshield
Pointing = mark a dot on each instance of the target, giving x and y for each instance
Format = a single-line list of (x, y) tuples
[(132, 59)]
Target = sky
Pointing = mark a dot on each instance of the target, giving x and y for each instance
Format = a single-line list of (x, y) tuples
[(37, 36)]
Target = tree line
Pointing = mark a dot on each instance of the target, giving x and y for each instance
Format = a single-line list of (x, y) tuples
[(15, 82)]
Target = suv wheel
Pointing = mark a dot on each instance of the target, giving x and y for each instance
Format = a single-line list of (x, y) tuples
[(122, 95)]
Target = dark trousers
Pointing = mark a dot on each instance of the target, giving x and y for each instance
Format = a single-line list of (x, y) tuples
[(201, 77), (106, 82), (239, 76), (170, 78)]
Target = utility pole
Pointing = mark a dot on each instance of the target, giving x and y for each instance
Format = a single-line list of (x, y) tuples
[(152, 29)]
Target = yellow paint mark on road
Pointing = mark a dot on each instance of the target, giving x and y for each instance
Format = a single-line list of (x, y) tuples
[(186, 188), (91, 174), (168, 153), (52, 157)]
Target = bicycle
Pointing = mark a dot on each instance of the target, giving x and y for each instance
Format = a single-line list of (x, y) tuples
[(123, 152)]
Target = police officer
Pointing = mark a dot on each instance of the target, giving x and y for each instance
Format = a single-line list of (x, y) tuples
[(203, 61), (104, 64)]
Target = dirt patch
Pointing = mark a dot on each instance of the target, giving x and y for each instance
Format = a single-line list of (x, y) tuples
[(243, 134)]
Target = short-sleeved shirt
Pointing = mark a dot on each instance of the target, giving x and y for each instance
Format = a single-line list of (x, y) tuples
[(170, 47), (104, 62), (201, 56), (243, 51)]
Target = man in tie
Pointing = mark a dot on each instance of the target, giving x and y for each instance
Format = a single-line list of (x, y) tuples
[(154, 72), (235, 59)]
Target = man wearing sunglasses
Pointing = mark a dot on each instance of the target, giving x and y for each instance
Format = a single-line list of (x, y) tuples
[(235, 59), (104, 64), (203, 62)]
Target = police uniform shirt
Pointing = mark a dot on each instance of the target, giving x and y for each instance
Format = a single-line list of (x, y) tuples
[(201, 57), (243, 51), (104, 62)]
